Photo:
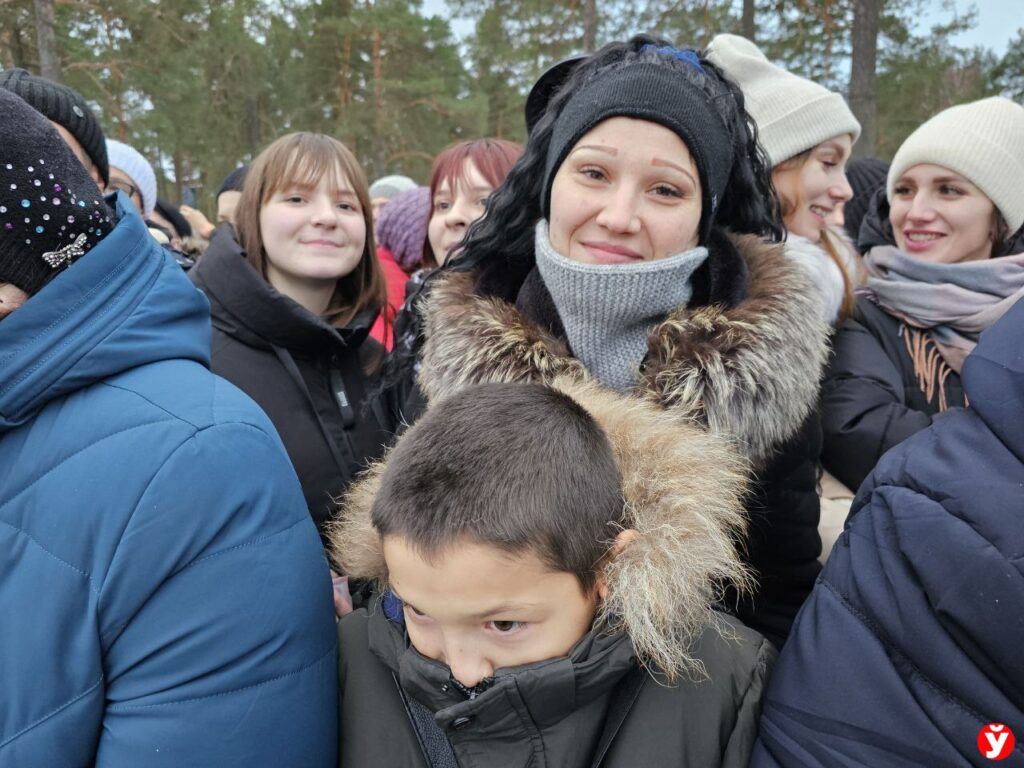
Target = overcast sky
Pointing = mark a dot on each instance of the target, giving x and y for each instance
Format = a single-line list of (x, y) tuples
[(997, 22)]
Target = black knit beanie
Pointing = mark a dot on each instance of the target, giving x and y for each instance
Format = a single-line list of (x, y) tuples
[(866, 175), (663, 95), (234, 181), (66, 108), (51, 211), (173, 215)]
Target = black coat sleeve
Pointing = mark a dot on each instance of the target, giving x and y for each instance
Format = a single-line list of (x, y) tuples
[(783, 543), (864, 408)]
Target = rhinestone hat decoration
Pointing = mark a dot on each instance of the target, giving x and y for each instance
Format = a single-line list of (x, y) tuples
[(47, 200), (48, 206), (68, 253)]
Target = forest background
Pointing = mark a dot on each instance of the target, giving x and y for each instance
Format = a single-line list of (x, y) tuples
[(200, 86)]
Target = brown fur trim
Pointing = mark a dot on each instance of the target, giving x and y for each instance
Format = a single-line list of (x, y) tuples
[(473, 340), (750, 372), (355, 547), (683, 491)]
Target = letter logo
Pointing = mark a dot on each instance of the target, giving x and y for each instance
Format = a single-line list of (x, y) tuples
[(995, 741)]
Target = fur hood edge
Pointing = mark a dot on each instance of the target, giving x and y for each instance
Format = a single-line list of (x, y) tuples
[(751, 372), (683, 489)]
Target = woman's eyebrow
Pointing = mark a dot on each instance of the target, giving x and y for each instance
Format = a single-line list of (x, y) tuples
[(670, 164), (607, 150)]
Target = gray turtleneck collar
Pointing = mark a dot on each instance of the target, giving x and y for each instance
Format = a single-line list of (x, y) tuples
[(608, 310)]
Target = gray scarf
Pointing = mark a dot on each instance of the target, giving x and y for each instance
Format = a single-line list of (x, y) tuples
[(954, 303), (608, 310)]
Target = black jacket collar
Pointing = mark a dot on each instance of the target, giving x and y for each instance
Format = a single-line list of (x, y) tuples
[(245, 306)]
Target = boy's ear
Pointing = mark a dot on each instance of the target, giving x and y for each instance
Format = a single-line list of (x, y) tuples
[(625, 537)]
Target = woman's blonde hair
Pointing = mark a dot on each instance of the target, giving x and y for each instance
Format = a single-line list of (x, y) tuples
[(827, 237), (303, 159)]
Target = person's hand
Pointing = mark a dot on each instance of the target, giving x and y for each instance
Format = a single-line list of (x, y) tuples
[(11, 297), (342, 598), (199, 223)]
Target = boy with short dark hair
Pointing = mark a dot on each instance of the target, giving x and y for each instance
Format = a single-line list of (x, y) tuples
[(546, 561)]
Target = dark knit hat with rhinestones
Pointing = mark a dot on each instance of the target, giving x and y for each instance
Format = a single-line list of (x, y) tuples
[(65, 107), (51, 211)]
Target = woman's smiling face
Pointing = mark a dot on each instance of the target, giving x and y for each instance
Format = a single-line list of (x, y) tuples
[(628, 191), (815, 188), (939, 216), (313, 234)]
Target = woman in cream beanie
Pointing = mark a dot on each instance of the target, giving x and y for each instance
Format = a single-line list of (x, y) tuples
[(951, 268), (807, 131)]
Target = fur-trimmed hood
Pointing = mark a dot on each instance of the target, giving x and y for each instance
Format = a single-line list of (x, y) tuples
[(824, 272), (683, 489), (750, 371)]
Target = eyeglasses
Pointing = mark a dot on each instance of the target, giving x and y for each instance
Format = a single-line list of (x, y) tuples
[(122, 186)]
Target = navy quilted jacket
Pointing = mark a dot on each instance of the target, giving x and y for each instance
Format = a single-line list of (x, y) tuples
[(164, 599), (911, 641)]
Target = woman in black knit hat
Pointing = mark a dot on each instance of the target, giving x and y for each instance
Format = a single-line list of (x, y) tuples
[(635, 243), (69, 113)]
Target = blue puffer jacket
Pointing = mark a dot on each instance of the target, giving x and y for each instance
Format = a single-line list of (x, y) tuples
[(911, 641), (164, 599)]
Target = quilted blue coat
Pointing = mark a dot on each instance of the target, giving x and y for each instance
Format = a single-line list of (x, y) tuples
[(164, 598), (912, 640)]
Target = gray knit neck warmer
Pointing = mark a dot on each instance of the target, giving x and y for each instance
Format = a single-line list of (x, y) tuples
[(608, 310)]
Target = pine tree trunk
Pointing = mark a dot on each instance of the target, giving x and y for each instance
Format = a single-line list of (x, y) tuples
[(862, 73), (7, 57), (46, 37), (378, 104), (179, 175), (590, 25), (747, 28)]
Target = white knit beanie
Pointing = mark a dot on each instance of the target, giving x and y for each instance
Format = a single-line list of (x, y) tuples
[(390, 186), (792, 113), (982, 141), (137, 167)]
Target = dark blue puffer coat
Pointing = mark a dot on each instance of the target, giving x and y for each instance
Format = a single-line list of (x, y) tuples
[(164, 598), (912, 640)]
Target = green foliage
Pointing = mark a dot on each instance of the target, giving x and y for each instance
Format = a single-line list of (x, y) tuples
[(922, 75), (1009, 73)]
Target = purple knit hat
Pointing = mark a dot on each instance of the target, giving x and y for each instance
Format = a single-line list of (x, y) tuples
[(402, 226)]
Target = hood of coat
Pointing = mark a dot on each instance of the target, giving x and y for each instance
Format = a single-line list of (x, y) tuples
[(749, 370), (122, 305), (875, 228), (246, 307), (993, 379), (556, 706), (683, 491), (823, 270)]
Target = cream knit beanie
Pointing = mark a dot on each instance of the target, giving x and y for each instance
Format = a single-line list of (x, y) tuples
[(792, 114), (982, 141), (138, 169)]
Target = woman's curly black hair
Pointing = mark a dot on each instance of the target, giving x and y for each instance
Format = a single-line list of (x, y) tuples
[(498, 247)]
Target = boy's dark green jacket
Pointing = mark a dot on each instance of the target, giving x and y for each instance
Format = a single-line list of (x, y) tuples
[(682, 488), (594, 707)]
